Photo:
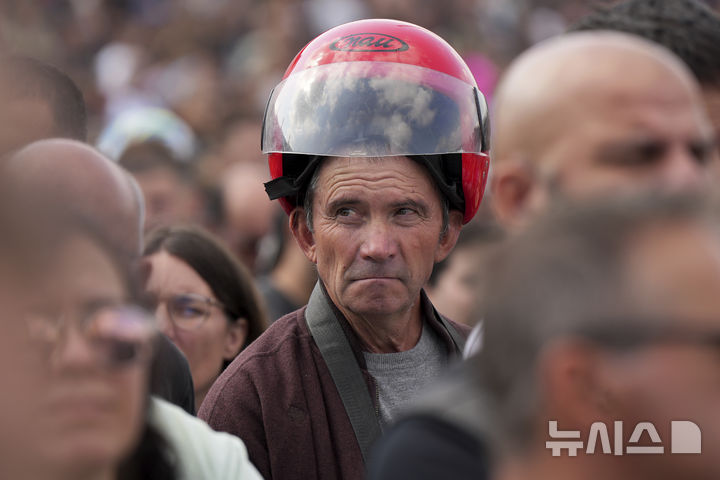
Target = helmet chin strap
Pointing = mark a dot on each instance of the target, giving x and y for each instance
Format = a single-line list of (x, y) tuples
[(295, 181)]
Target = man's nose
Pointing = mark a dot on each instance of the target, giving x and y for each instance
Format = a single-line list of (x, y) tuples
[(378, 242), (683, 171)]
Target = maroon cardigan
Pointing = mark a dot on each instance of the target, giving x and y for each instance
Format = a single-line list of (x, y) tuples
[(279, 398)]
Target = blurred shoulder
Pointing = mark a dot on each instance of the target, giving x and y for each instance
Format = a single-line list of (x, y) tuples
[(199, 451)]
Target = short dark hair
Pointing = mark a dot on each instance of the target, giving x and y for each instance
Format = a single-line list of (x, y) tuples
[(25, 77), (688, 28), (228, 279), (475, 233), (150, 154)]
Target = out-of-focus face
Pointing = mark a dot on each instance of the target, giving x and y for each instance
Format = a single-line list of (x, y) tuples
[(377, 226), (678, 379), (455, 294), (190, 315), (630, 140), (248, 212), (24, 120), (168, 200), (607, 134), (711, 95), (18, 386), (712, 102), (78, 406)]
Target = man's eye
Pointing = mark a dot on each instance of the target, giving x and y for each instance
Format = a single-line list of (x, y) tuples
[(344, 212), (636, 155), (405, 211), (642, 156), (702, 152)]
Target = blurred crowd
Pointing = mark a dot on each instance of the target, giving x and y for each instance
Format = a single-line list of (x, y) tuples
[(154, 109), (175, 89), (213, 64), (175, 92)]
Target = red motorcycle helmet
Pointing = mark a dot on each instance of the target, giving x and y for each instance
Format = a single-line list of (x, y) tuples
[(378, 88)]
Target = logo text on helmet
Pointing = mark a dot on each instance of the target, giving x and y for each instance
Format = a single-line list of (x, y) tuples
[(369, 42)]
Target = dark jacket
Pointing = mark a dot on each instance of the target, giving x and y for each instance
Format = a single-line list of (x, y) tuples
[(438, 438), (170, 377), (278, 396)]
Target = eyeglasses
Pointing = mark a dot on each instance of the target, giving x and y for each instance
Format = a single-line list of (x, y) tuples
[(119, 335), (190, 310), (644, 333)]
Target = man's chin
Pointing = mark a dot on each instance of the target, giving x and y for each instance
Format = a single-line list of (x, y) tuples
[(375, 311), (378, 300), (378, 283)]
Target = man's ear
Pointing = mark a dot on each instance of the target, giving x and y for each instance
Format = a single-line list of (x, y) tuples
[(511, 188), (301, 231), (449, 238), (573, 383)]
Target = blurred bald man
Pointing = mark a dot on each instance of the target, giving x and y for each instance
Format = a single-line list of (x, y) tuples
[(592, 113), (689, 28), (581, 115), (77, 177), (85, 181)]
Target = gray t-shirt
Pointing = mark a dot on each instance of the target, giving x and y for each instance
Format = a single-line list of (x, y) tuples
[(400, 376)]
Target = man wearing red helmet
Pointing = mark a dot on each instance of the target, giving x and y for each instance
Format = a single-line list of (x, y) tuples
[(377, 149)]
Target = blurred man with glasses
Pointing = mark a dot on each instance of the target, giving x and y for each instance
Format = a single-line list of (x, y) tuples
[(619, 321)]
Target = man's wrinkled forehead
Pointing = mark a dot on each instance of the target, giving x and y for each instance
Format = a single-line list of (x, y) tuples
[(560, 84), (629, 127), (338, 175)]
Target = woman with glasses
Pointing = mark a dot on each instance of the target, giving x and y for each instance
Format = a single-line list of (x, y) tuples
[(75, 354), (75, 358), (204, 300)]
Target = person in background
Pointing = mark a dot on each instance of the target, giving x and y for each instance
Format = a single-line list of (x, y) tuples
[(236, 142), (204, 300), (455, 282), (688, 28), (83, 181), (42, 102), (642, 124), (39, 101), (606, 367), (168, 184), (49, 187), (78, 407), (246, 212), (292, 277)]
